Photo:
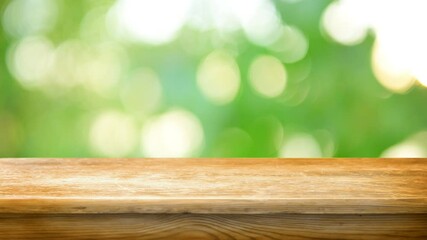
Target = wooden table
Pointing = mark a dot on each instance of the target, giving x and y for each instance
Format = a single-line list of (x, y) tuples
[(213, 198)]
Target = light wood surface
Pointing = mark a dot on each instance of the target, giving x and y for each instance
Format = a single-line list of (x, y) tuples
[(213, 199), (214, 186)]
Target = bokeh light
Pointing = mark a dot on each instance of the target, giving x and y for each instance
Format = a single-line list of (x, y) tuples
[(390, 74), (176, 133), (414, 146), (29, 17), (291, 45), (260, 21), (101, 68), (400, 50), (268, 76), (113, 134), (153, 22), (30, 61), (218, 77), (301, 145), (342, 22)]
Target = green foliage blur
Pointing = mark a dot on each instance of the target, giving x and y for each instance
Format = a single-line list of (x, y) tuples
[(332, 102)]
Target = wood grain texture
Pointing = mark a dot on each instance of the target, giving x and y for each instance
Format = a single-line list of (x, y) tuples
[(212, 226), (213, 199), (214, 186)]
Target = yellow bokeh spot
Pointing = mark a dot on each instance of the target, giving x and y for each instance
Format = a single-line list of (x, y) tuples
[(414, 146), (341, 21), (113, 134), (268, 76), (218, 77), (391, 74), (300, 145), (176, 133), (30, 61)]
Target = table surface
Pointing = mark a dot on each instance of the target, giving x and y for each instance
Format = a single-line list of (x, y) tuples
[(214, 186)]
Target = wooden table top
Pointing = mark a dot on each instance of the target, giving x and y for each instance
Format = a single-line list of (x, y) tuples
[(214, 186)]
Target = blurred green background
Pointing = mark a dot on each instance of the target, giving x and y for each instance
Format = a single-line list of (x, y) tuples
[(213, 78)]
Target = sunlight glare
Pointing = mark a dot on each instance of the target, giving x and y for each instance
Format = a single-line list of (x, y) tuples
[(150, 21)]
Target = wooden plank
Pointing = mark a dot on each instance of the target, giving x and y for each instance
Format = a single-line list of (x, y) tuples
[(214, 186), (212, 226)]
